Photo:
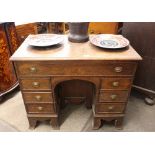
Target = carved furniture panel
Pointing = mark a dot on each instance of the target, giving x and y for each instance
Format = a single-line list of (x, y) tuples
[(8, 44)]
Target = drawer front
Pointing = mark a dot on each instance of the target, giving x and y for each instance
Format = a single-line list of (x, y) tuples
[(113, 96), (110, 108), (33, 97), (40, 108), (45, 68), (35, 84), (116, 83)]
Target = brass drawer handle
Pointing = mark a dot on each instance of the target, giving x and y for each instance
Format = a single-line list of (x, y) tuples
[(115, 84), (113, 96), (38, 97), (33, 69), (35, 84), (118, 69), (110, 107), (40, 108)]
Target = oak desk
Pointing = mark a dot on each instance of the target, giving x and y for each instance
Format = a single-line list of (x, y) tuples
[(40, 70)]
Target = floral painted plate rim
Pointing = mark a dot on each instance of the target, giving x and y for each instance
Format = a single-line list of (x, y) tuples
[(43, 40), (109, 41)]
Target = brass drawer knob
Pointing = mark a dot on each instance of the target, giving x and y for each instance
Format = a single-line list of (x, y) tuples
[(33, 69), (40, 108), (115, 84), (110, 107), (113, 96), (118, 69), (35, 84), (38, 97)]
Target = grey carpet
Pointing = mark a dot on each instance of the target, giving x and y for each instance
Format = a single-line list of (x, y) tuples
[(5, 127), (139, 117)]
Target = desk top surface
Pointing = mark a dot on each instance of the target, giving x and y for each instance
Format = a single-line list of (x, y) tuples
[(72, 51)]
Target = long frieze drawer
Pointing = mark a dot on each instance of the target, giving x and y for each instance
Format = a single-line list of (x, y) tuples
[(35, 84), (40, 108), (100, 69), (110, 108), (33, 97), (113, 96), (116, 83)]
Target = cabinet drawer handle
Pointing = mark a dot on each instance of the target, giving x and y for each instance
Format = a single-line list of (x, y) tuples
[(113, 97), (118, 69), (35, 84), (115, 84), (110, 107), (40, 108), (33, 69), (38, 97)]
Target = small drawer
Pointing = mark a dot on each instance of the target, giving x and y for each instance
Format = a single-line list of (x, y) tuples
[(109, 108), (118, 69), (113, 96), (35, 84), (32, 68), (33, 97), (116, 83), (40, 108)]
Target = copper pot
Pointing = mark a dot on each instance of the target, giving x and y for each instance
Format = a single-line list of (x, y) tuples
[(78, 32)]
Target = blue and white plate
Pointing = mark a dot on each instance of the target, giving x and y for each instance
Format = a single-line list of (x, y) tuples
[(109, 41)]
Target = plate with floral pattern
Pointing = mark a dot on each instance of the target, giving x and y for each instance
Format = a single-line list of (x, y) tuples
[(41, 40), (109, 41)]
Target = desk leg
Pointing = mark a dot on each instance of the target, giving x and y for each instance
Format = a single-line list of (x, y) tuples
[(88, 104), (32, 123), (96, 123), (55, 123), (119, 123)]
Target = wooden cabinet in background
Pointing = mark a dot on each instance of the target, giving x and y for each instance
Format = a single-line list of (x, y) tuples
[(142, 37), (103, 27), (8, 44), (57, 27), (94, 27), (24, 30)]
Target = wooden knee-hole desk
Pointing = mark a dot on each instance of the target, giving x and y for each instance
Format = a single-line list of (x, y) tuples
[(110, 72)]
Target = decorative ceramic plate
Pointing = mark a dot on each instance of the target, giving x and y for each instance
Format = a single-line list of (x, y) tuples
[(109, 41), (42, 40)]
